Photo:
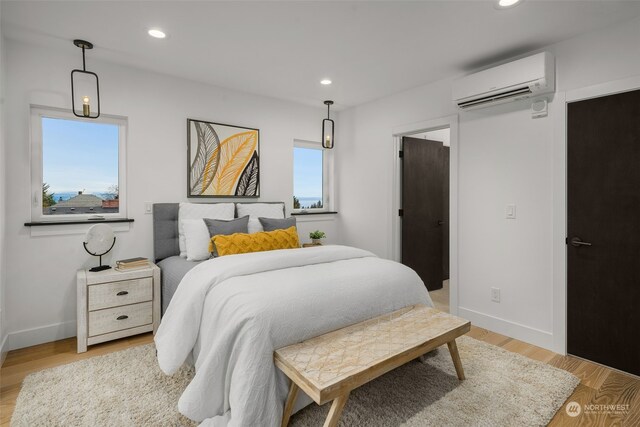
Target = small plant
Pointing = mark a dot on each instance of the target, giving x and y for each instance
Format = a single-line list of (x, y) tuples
[(317, 235)]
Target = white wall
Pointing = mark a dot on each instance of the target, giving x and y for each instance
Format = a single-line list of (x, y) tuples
[(505, 157), (442, 135), (3, 328), (40, 271)]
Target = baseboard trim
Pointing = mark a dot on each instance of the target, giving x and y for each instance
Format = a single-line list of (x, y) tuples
[(59, 331), (40, 335), (515, 330)]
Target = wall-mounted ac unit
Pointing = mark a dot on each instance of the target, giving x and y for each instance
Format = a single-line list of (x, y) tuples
[(520, 79)]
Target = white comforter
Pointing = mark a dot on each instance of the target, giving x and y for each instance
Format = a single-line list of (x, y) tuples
[(232, 312)]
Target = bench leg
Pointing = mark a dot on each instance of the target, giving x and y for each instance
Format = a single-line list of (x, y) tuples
[(453, 349), (336, 410), (291, 400)]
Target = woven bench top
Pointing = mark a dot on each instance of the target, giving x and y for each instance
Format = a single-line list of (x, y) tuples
[(347, 358)]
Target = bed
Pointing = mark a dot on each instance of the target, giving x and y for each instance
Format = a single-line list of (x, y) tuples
[(228, 315)]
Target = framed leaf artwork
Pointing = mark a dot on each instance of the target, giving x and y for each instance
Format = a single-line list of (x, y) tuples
[(223, 160)]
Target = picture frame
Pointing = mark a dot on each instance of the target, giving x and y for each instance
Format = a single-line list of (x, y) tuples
[(222, 160)]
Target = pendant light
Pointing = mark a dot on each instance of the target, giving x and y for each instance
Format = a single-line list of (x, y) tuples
[(85, 79), (328, 127)]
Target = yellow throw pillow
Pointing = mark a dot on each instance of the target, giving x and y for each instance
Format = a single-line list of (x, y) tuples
[(242, 243)]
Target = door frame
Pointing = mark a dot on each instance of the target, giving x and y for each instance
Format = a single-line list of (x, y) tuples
[(560, 193), (398, 132)]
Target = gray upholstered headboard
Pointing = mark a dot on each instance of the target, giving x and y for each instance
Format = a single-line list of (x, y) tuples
[(165, 229)]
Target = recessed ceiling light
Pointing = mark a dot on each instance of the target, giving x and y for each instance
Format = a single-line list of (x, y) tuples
[(502, 4), (325, 82), (157, 33)]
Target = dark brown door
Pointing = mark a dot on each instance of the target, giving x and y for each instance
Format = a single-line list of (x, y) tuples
[(445, 213), (422, 205), (603, 244)]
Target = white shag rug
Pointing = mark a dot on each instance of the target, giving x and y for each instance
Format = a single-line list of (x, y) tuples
[(127, 388)]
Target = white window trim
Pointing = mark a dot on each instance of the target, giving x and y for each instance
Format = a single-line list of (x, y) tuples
[(328, 190), (37, 113)]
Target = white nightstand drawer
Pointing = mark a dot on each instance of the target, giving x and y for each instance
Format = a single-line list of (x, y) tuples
[(115, 294), (118, 318)]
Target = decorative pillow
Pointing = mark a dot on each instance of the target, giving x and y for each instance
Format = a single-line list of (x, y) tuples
[(200, 211), (262, 241), (271, 224), (196, 239), (217, 227), (254, 225), (256, 210)]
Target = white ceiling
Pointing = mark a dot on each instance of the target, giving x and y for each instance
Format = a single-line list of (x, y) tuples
[(283, 49)]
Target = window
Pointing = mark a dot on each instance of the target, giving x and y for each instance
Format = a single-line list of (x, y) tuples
[(78, 166), (311, 177)]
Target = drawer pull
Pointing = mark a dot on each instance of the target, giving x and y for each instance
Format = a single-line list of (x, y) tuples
[(122, 293), (124, 316)]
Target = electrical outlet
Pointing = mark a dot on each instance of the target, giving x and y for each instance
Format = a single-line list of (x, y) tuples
[(495, 294), (148, 207)]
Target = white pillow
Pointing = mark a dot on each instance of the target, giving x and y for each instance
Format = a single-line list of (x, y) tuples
[(200, 211), (254, 225), (255, 210), (196, 238)]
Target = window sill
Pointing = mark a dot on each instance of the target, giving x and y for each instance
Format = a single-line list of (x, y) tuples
[(315, 213), (71, 222), (74, 226)]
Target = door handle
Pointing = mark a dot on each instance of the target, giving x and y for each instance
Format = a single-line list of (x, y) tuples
[(577, 242), (440, 222)]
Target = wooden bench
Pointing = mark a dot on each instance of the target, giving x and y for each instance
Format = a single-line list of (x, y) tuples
[(330, 366)]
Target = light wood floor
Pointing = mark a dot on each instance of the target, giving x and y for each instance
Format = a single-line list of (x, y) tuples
[(599, 385), (440, 297)]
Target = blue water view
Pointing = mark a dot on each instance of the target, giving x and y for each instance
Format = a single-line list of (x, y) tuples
[(60, 197)]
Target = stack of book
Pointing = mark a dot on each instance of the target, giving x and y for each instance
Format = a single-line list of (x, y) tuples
[(132, 264)]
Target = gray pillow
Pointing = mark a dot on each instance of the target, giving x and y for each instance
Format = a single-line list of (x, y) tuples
[(225, 227), (270, 224)]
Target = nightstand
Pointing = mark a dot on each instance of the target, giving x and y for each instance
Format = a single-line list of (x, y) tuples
[(115, 304)]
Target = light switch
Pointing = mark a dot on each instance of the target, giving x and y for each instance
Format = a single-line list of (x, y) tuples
[(511, 211), (148, 207)]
